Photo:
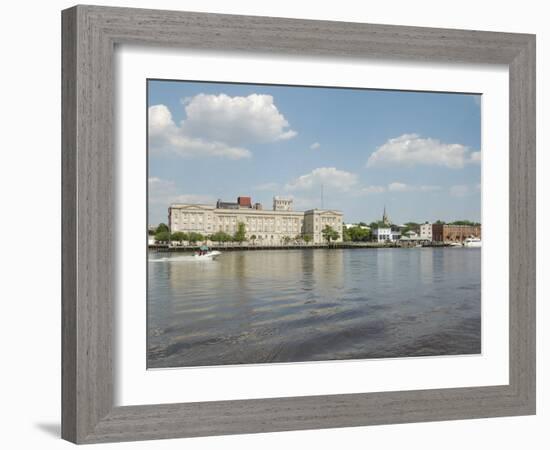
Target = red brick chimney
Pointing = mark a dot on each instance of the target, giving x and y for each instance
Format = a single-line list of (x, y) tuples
[(244, 202)]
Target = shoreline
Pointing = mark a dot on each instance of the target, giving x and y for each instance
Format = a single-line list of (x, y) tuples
[(189, 248)]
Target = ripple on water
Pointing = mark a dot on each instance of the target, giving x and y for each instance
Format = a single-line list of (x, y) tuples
[(279, 306)]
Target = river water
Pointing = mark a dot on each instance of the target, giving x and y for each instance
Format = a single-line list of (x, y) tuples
[(312, 305)]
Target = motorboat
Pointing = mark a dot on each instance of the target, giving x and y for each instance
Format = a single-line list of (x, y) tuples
[(472, 242), (455, 244), (208, 256), (205, 254)]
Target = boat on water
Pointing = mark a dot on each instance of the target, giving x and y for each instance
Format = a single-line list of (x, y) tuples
[(455, 244), (206, 254), (472, 242)]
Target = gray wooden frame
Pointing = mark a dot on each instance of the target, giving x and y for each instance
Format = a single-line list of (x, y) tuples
[(89, 36)]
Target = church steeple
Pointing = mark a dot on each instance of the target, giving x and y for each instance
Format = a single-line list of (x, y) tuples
[(385, 218)]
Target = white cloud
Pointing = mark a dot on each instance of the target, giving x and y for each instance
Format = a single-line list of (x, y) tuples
[(165, 192), (475, 157), (334, 181), (330, 177), (218, 125), (160, 120), (235, 120), (315, 146), (460, 190), (411, 150), (403, 187), (165, 136)]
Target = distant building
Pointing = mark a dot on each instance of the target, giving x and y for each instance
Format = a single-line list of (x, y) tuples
[(454, 233), (347, 226), (426, 231), (315, 221), (226, 205), (385, 234), (411, 234), (269, 227), (282, 204)]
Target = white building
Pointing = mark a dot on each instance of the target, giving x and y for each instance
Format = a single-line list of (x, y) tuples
[(381, 235), (315, 221), (347, 226), (426, 231), (282, 204), (268, 227)]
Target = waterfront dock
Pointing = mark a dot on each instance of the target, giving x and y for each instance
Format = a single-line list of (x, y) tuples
[(252, 247)]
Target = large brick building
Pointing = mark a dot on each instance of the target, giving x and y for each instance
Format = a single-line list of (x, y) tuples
[(454, 233)]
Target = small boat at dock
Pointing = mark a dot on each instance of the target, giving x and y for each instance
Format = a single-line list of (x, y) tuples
[(472, 242)]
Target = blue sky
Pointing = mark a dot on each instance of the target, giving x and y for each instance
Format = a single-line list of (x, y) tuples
[(417, 153)]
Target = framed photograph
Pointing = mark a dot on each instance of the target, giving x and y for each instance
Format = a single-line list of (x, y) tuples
[(278, 224)]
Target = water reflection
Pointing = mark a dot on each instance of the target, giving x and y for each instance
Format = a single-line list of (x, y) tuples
[(304, 305)]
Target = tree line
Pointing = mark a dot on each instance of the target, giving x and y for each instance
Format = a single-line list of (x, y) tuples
[(162, 234), (358, 233)]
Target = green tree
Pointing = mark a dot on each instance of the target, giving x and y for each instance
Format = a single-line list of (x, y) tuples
[(162, 227), (377, 224), (220, 236), (411, 226), (346, 236), (307, 238), (178, 236), (358, 234), (286, 240), (195, 237), (465, 222), (330, 234), (298, 238), (240, 234), (162, 236)]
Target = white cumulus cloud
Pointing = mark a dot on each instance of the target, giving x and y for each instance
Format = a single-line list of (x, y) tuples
[(218, 125), (334, 181), (403, 187), (235, 120), (315, 146), (331, 177), (165, 136), (412, 149)]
